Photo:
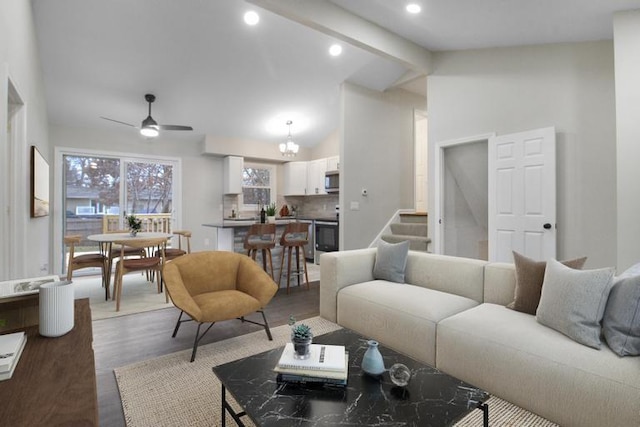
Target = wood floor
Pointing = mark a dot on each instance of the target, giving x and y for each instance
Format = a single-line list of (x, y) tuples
[(128, 339)]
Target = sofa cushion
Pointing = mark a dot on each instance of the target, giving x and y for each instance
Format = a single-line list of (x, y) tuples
[(401, 316), (454, 275), (391, 260), (573, 301), (529, 278), (512, 356), (621, 321)]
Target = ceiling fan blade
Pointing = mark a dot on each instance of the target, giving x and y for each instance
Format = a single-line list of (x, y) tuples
[(174, 127), (118, 121)]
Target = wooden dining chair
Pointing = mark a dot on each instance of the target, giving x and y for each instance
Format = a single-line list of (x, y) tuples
[(116, 251), (85, 260), (173, 253), (147, 263)]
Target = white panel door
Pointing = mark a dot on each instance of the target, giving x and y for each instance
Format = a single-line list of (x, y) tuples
[(522, 195)]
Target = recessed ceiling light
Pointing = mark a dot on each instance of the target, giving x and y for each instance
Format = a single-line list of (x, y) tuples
[(413, 8), (251, 18), (335, 50)]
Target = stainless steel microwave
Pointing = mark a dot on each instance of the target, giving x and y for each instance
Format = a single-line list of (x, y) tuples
[(332, 181)]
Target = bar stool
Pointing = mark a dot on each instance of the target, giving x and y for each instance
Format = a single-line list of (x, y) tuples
[(295, 235), (261, 237)]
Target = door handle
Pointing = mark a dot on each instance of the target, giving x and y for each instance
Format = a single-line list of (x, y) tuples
[(547, 226)]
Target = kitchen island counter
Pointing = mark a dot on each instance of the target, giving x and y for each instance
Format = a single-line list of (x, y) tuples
[(230, 236)]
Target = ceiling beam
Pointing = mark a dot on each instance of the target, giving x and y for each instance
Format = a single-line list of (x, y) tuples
[(337, 22)]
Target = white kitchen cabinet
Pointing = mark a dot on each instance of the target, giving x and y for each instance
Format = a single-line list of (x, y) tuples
[(333, 163), (315, 176), (295, 178), (233, 174)]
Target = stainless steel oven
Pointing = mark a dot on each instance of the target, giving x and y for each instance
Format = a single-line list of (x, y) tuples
[(326, 238)]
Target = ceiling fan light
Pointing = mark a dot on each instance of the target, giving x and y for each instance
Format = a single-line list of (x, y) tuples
[(149, 122), (149, 132)]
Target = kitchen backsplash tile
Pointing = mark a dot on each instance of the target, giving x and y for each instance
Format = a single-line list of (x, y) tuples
[(308, 206), (312, 206)]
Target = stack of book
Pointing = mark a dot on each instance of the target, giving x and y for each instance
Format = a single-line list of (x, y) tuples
[(327, 365), (11, 346)]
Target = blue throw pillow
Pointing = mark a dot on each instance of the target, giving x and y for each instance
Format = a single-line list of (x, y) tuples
[(621, 322), (391, 260)]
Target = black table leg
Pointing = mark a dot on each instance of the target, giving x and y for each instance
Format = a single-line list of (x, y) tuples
[(223, 406), (227, 408), (485, 413)]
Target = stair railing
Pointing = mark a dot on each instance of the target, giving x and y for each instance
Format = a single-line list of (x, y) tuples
[(387, 228)]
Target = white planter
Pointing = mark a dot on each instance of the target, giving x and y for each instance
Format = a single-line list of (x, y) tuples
[(56, 309), (271, 219)]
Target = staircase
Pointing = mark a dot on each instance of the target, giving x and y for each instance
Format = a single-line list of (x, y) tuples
[(412, 227)]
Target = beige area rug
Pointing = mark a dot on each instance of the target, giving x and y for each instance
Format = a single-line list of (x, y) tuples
[(138, 296), (171, 391)]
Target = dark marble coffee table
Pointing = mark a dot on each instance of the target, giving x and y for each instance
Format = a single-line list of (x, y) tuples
[(432, 398)]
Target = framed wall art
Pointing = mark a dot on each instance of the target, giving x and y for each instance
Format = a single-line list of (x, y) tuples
[(39, 184)]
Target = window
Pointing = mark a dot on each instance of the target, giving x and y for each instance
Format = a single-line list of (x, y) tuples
[(258, 185), (99, 188)]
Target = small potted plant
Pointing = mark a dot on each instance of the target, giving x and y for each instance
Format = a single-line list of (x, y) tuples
[(301, 338), (271, 213), (135, 225)]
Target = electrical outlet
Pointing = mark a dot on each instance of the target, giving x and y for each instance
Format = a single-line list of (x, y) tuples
[(44, 268), (355, 206), (206, 242)]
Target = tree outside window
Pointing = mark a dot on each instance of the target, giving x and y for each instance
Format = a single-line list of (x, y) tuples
[(257, 185)]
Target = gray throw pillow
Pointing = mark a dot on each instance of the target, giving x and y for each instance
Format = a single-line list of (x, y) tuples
[(391, 260), (573, 301), (621, 322)]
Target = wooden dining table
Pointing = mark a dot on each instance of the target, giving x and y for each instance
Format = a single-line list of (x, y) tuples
[(106, 241)]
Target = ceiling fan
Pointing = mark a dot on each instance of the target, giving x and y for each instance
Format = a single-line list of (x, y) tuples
[(149, 126)]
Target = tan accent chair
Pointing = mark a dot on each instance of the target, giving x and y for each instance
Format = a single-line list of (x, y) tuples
[(146, 263), (261, 237), (77, 262), (217, 285)]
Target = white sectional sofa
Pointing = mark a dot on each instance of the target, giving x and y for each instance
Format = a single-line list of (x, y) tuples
[(451, 314)]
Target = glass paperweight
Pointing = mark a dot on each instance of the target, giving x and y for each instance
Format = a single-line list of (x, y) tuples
[(400, 375)]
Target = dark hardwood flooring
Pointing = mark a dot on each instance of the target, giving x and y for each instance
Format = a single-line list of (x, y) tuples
[(128, 339)]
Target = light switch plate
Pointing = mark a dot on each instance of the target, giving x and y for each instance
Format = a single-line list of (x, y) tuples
[(355, 206)]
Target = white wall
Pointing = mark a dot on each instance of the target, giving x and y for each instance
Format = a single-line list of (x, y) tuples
[(465, 199), (328, 147), (627, 65), (569, 86), (19, 62), (201, 175), (376, 153)]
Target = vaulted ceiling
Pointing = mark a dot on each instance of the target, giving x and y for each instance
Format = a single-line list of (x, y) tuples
[(211, 71)]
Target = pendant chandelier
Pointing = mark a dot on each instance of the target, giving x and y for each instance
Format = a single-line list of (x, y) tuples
[(289, 148)]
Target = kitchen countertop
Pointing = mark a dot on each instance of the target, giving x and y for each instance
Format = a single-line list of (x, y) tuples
[(230, 223)]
